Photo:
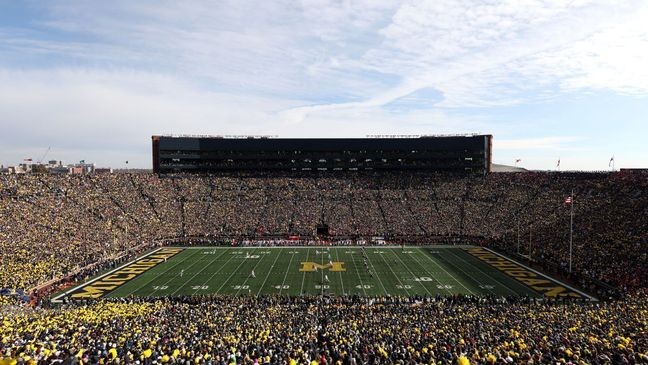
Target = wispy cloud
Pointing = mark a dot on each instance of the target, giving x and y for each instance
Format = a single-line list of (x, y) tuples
[(364, 53), (111, 115), (123, 70)]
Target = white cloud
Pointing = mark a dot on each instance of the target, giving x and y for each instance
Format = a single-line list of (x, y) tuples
[(123, 70), (103, 111), (107, 117), (491, 53), (355, 54)]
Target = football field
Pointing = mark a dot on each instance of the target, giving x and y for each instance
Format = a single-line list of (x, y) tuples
[(337, 270)]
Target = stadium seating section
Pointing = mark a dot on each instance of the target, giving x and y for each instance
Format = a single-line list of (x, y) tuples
[(98, 217), (53, 226)]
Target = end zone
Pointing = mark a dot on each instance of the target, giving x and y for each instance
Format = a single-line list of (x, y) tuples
[(104, 284), (541, 283)]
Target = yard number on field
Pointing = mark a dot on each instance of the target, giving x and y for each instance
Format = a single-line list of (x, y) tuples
[(423, 278)]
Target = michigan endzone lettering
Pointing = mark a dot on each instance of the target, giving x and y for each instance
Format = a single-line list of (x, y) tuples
[(119, 277), (539, 283)]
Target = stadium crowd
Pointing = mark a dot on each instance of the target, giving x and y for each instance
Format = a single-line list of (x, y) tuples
[(52, 226), (75, 226), (323, 330)]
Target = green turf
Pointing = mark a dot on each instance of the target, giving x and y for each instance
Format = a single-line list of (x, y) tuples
[(396, 271)]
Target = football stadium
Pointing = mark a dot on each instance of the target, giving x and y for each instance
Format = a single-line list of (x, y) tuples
[(403, 250), (324, 182)]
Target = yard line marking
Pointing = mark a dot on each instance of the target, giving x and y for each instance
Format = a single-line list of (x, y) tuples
[(219, 269), (444, 270), (269, 271), (196, 274), (206, 266), (378, 276), (163, 273), (485, 274), (286, 274), (358, 273), (337, 258), (301, 290), (248, 277), (431, 274), (410, 271), (235, 272)]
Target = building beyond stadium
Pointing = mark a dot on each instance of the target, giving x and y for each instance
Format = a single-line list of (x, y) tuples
[(459, 154)]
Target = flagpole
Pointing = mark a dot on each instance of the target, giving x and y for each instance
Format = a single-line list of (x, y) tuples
[(571, 229)]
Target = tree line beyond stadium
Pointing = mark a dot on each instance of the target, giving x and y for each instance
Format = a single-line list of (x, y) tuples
[(457, 154)]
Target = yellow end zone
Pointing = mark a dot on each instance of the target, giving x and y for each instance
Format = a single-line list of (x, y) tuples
[(536, 281), (111, 281)]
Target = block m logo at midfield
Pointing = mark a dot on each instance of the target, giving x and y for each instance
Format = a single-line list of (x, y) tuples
[(314, 266)]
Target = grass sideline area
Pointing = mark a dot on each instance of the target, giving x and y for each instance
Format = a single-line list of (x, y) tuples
[(336, 270)]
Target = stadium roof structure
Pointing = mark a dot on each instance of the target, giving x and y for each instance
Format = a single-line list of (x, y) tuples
[(458, 154)]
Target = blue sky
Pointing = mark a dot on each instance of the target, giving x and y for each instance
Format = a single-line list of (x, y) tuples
[(549, 79)]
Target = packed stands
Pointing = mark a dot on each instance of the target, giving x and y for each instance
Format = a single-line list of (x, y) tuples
[(55, 225), (322, 330)]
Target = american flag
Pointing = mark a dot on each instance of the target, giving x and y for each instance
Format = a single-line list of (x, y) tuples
[(568, 200)]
